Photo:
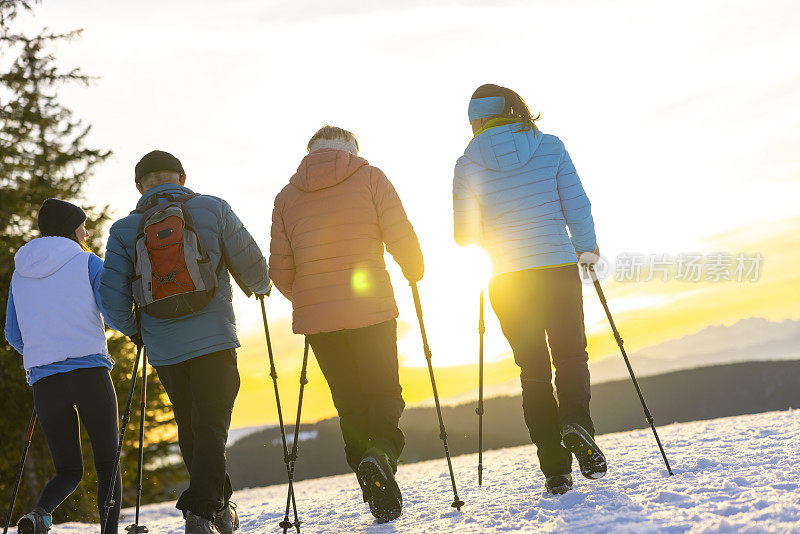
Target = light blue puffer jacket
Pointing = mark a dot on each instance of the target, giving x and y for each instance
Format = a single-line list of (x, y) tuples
[(213, 328), (515, 193)]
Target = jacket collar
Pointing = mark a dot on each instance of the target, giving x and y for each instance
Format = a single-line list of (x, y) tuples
[(172, 188), (495, 122)]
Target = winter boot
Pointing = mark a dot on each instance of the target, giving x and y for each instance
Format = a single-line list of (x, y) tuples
[(384, 497), (558, 484), (364, 488), (227, 519), (196, 524), (580, 443), (36, 522)]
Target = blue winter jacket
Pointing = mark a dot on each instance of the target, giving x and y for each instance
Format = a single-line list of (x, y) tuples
[(515, 193), (171, 341)]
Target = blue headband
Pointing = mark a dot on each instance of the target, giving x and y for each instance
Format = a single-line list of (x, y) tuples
[(480, 108)]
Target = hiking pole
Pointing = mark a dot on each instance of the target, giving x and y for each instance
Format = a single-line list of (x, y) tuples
[(457, 503), (136, 528), (286, 524), (274, 374), (112, 483), (479, 409), (27, 445), (647, 414)]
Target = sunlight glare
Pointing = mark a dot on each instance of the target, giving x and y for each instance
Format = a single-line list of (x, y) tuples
[(476, 268)]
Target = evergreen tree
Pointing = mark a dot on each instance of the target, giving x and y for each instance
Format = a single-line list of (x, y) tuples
[(44, 153)]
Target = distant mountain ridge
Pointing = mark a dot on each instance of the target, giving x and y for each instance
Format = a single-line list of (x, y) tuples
[(752, 339), (680, 396), (745, 335)]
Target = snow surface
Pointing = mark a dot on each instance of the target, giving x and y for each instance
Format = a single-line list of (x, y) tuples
[(736, 474)]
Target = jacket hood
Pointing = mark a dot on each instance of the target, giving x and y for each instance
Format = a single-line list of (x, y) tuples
[(325, 168), (504, 148), (41, 257)]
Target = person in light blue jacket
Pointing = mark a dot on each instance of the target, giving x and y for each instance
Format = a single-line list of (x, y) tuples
[(516, 194), (195, 353), (54, 320)]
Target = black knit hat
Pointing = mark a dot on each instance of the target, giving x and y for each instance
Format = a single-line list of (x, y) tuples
[(155, 161), (59, 218)]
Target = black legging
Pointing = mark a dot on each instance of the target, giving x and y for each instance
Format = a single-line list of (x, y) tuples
[(56, 397), (541, 314)]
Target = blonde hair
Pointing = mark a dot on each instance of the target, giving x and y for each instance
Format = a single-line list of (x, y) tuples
[(84, 245)]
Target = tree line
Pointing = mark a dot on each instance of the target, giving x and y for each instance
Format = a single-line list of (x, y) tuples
[(45, 152)]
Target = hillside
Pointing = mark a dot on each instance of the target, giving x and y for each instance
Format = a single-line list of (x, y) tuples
[(692, 395), (737, 474)]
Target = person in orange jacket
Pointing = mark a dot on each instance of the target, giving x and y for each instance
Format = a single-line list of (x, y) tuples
[(329, 228)]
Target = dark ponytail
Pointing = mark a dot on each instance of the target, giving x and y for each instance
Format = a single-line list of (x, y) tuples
[(515, 107)]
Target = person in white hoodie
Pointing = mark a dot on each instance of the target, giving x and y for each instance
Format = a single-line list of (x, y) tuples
[(54, 320)]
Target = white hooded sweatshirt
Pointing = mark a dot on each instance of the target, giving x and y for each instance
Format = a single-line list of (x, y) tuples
[(56, 308)]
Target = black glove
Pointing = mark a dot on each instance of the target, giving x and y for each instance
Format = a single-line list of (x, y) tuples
[(137, 340)]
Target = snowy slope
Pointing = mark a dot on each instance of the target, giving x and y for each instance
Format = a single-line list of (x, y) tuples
[(738, 474)]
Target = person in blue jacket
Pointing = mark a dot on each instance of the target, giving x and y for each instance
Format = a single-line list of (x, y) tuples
[(55, 320), (516, 193), (195, 354)]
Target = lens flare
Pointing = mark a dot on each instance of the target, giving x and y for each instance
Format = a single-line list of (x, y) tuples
[(360, 281)]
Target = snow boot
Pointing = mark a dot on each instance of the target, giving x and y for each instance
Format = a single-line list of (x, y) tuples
[(36, 522), (364, 488), (227, 519), (558, 484), (196, 524), (580, 443), (384, 497)]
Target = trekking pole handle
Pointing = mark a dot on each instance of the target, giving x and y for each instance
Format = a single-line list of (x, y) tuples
[(260, 296), (272, 371), (415, 294), (418, 305), (481, 323)]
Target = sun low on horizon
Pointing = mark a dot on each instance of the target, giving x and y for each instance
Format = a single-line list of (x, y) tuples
[(681, 119)]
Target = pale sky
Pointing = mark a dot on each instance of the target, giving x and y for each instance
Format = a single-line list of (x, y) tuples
[(681, 117)]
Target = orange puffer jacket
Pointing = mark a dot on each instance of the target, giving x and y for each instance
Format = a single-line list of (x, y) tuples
[(329, 227)]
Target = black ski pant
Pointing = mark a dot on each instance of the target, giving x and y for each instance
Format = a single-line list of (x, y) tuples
[(202, 391), (537, 308), (361, 368), (56, 398)]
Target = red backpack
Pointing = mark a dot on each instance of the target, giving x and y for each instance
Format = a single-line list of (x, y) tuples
[(174, 276)]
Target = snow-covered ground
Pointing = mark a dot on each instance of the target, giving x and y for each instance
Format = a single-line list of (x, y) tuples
[(737, 474)]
